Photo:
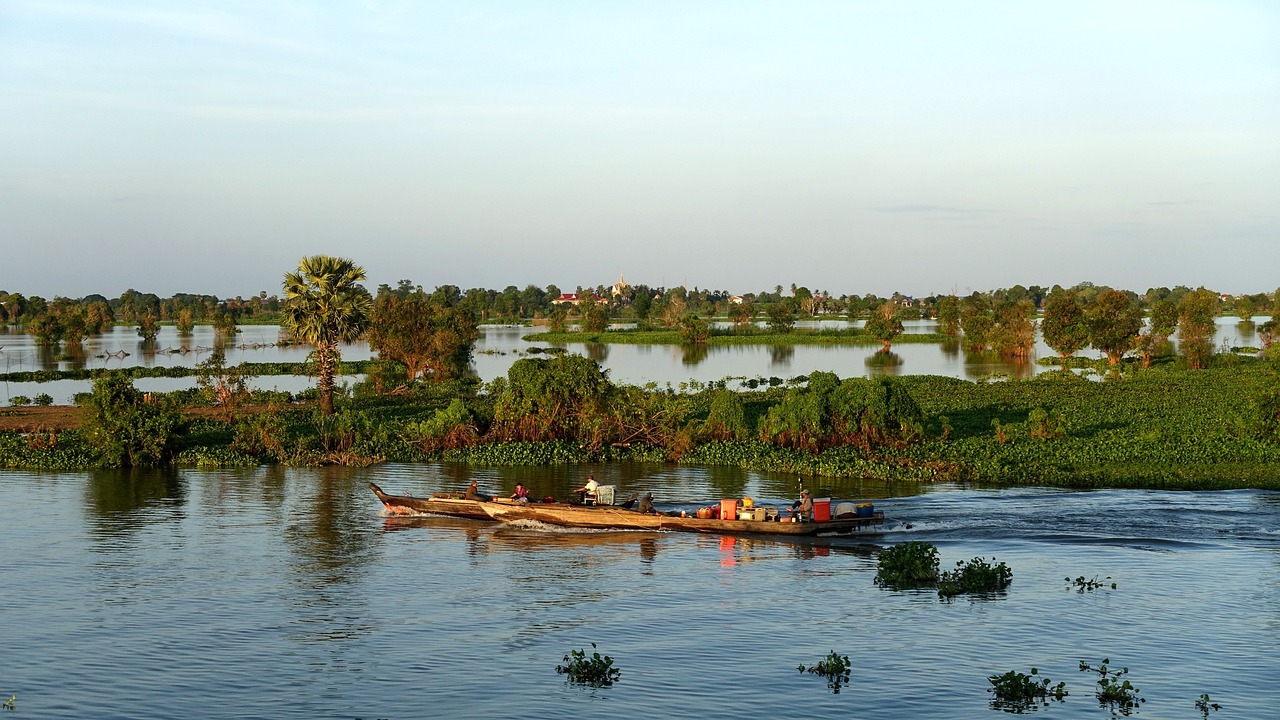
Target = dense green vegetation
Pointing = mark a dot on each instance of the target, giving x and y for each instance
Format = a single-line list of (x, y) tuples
[(1200, 420), (1161, 427)]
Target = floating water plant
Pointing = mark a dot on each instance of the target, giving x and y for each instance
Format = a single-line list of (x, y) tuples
[(974, 576), (1204, 704), (1083, 584), (12, 702), (1019, 692), (835, 668), (596, 670), (911, 564), (1114, 692)]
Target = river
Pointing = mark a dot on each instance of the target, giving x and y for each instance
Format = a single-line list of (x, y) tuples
[(286, 593), (501, 345)]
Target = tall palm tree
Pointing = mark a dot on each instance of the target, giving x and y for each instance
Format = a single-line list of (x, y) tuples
[(324, 305)]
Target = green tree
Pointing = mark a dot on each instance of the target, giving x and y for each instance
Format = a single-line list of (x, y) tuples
[(884, 324), (224, 324), (148, 326), (1014, 334), (558, 318), (694, 330), (564, 398), (1064, 327), (1163, 321), (227, 386), (1196, 311), (186, 322), (947, 309), (595, 315), (782, 317), (740, 314), (423, 335), (46, 329), (1114, 320), (977, 321), (324, 305), (1245, 308)]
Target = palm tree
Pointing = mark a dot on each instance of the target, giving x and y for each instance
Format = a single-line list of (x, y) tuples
[(324, 305)]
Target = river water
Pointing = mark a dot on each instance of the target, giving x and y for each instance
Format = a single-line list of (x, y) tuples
[(286, 593), (501, 345)]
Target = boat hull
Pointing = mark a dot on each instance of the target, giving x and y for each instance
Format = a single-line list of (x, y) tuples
[(409, 505)]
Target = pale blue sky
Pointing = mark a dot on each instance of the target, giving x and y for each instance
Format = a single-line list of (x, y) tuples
[(847, 146)]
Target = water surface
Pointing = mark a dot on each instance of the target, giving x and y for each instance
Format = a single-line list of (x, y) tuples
[(285, 593)]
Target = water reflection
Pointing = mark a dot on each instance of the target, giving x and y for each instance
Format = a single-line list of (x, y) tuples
[(884, 363), (693, 354), (331, 549), (74, 356), (115, 497), (780, 356), (596, 351), (984, 364)]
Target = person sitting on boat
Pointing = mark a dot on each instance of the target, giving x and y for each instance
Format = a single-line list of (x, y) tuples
[(521, 495), (803, 508), (646, 505), (587, 493), (473, 492)]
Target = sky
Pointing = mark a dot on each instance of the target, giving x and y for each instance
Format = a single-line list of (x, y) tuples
[(851, 147)]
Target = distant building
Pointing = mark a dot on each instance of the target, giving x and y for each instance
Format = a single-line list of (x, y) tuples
[(620, 288), (575, 298)]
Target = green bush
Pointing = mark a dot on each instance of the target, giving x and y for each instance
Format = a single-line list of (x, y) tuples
[(44, 399), (127, 429), (19, 400)]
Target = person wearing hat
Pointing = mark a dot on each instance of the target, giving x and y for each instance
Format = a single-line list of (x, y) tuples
[(803, 508)]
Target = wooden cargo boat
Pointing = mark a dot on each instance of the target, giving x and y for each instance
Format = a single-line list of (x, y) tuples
[(614, 517), (436, 505)]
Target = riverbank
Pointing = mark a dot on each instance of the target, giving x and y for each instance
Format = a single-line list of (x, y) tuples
[(1163, 427)]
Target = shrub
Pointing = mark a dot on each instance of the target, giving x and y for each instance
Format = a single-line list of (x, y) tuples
[(911, 564), (128, 428), (44, 399), (263, 434), (1045, 425), (596, 670), (451, 427)]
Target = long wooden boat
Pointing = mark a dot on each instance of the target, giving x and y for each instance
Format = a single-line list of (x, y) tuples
[(613, 517), (439, 504)]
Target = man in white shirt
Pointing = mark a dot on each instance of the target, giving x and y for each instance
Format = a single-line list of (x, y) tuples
[(589, 491)]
